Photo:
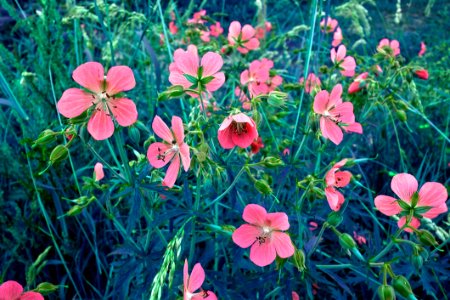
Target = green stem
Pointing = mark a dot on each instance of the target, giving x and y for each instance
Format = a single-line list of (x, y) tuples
[(228, 189), (319, 236), (123, 156)]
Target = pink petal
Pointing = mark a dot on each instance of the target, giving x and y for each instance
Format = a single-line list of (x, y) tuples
[(331, 131), (247, 32), (255, 214), (335, 96), (185, 156), (188, 61), (343, 178), (333, 55), (436, 211), (124, 111), (283, 244), (225, 139), (154, 153), (321, 102), (340, 163), (343, 113), (177, 78), (74, 102), (160, 128), (404, 186), (341, 52), (172, 172), (226, 123), (252, 44), (197, 278), (31, 296), (233, 32), (354, 127), (10, 290), (242, 50), (414, 223), (216, 83), (335, 198), (395, 45), (278, 221), (263, 254), (387, 205), (211, 63), (100, 125), (383, 42), (349, 65), (119, 79), (245, 235), (98, 170), (245, 139), (244, 77), (432, 194), (241, 118), (295, 296), (185, 274), (178, 129), (90, 75)]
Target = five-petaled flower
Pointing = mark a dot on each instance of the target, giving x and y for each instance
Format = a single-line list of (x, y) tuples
[(101, 95), (328, 25), (336, 179), (12, 290), (264, 235), (237, 130), (345, 64), (172, 150), (389, 47), (335, 115), (194, 282), (243, 37), (428, 202), (312, 83)]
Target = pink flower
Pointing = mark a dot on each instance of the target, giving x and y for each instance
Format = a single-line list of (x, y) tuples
[(256, 145), (393, 46), (423, 48), (12, 290), (194, 282), (257, 77), (335, 115), (101, 96), (190, 72), (263, 234), (204, 36), (198, 17), (237, 130), (337, 37), (173, 148), (355, 85), (173, 28), (295, 296), (330, 26), (336, 179), (216, 29), (429, 202), (312, 82), (422, 74), (359, 238), (243, 37), (268, 26), (313, 226), (286, 151), (346, 64), (98, 171)]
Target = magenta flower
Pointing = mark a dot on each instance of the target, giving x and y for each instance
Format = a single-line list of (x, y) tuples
[(258, 79), (98, 171), (336, 179), (331, 25), (264, 235), (216, 29), (337, 37), (243, 37), (335, 115), (423, 49), (312, 82), (190, 72), (393, 46), (194, 282), (237, 130), (346, 64), (101, 96), (429, 202), (172, 150), (198, 17), (355, 85), (12, 290)]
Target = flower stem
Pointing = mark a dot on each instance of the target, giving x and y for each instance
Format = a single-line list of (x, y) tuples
[(319, 236)]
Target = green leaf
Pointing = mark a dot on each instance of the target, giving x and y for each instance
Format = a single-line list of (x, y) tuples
[(191, 78), (422, 209), (207, 80), (35, 268)]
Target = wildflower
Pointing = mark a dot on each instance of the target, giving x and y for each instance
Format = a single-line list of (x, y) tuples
[(393, 47), (243, 37), (258, 79), (423, 48), (216, 29), (355, 86), (237, 130), (173, 148), (336, 179), (188, 71), (12, 290), (204, 36), (173, 28), (429, 202), (101, 96), (330, 25), (256, 145), (194, 282), (98, 171), (346, 64), (312, 82), (335, 115), (337, 37), (198, 17), (264, 235), (422, 74)]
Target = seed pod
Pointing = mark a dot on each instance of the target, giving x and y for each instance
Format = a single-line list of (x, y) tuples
[(346, 241), (386, 292), (426, 238), (263, 187), (417, 261), (277, 99), (272, 162), (45, 137), (59, 153), (401, 115), (299, 260), (334, 218), (402, 286)]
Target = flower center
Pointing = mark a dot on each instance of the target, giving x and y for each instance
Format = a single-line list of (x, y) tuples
[(265, 234), (162, 154), (240, 128)]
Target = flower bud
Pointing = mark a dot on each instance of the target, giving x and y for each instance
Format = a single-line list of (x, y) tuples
[(45, 288), (386, 292), (263, 187), (402, 286), (401, 115), (346, 241), (299, 260), (59, 153), (45, 137), (334, 218), (417, 261), (426, 238), (277, 98), (272, 162)]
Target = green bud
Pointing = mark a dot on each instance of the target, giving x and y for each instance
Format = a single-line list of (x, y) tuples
[(263, 187), (299, 260), (346, 241), (272, 162), (334, 218), (46, 288), (277, 98), (59, 153), (426, 238), (134, 134), (45, 137), (401, 115), (417, 261), (402, 286), (386, 292), (75, 210)]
